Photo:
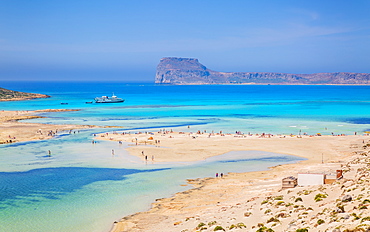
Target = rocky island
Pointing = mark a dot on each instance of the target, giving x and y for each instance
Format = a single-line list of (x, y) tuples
[(10, 95), (174, 70)]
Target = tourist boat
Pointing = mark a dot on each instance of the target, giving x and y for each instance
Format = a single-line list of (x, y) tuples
[(106, 99)]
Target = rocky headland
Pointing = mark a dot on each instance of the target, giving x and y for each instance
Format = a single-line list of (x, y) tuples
[(173, 70), (10, 95)]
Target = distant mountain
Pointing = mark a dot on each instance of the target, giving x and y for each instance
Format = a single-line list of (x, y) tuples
[(173, 70), (10, 95)]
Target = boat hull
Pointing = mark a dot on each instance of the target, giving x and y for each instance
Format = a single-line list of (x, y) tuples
[(118, 101)]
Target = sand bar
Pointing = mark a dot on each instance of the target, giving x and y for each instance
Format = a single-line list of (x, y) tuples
[(12, 129), (228, 200)]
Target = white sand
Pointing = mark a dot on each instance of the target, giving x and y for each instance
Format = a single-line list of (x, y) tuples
[(12, 129), (228, 200)]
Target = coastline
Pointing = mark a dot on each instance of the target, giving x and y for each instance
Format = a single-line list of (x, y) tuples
[(169, 146), (14, 130), (212, 199), (11, 95), (210, 194), (26, 98)]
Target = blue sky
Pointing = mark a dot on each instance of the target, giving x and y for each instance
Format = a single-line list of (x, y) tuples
[(124, 40)]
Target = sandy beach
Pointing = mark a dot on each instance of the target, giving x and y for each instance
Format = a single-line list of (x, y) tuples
[(251, 201), (234, 201), (12, 129)]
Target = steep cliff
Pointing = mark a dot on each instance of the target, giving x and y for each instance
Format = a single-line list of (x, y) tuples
[(173, 70)]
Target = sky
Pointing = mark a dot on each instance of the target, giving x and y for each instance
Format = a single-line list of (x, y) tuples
[(123, 40)]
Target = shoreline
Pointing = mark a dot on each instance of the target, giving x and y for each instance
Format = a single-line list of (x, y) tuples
[(11, 95), (170, 146), (213, 200), (209, 198), (12, 129), (204, 196), (26, 98)]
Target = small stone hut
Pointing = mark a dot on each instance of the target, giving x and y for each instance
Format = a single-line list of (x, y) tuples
[(289, 182)]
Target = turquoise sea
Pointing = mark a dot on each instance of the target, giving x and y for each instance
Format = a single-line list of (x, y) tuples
[(82, 187)]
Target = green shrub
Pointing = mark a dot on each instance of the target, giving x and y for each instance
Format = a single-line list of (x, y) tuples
[(212, 223), (365, 219), (355, 216), (298, 199), (268, 211), (238, 225), (278, 198), (320, 221), (306, 192), (366, 201), (280, 203), (201, 225), (272, 220), (265, 229), (319, 197), (219, 228), (241, 225), (341, 207), (302, 230), (264, 202)]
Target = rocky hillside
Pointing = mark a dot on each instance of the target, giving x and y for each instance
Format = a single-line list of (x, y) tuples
[(10, 95), (173, 70)]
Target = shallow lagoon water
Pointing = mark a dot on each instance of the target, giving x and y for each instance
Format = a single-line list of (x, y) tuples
[(82, 187)]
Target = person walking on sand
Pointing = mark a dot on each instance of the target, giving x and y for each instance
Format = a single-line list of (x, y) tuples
[(222, 175), (216, 174)]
